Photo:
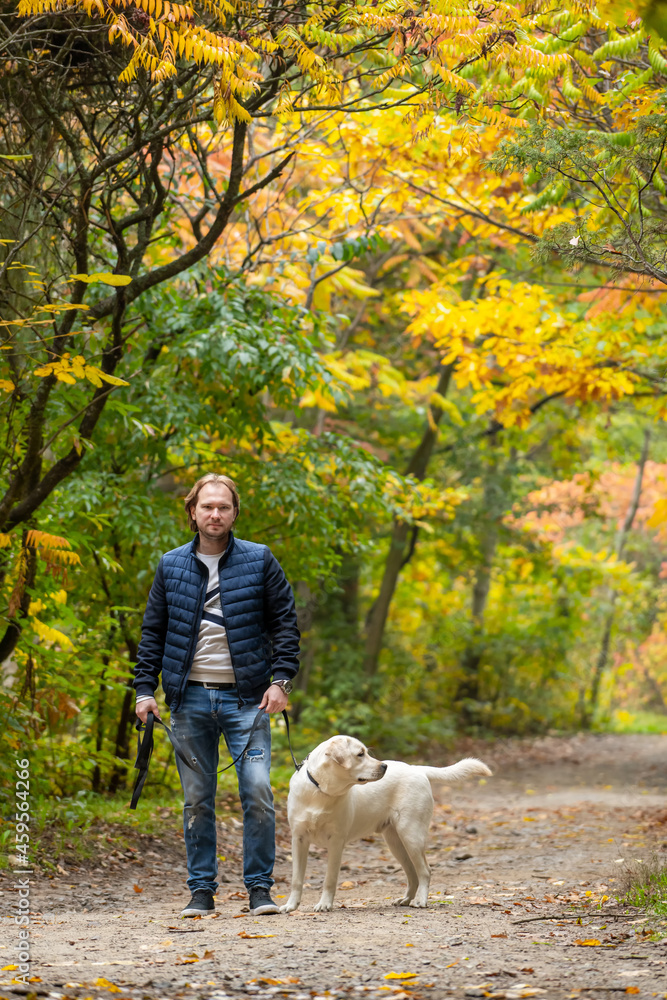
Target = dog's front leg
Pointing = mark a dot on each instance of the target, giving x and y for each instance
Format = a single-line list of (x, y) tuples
[(300, 845), (334, 858)]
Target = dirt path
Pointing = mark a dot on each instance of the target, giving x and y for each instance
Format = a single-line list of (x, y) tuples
[(541, 837)]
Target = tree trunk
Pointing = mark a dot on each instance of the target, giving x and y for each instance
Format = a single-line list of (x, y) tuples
[(657, 700), (377, 616), (468, 688), (125, 722), (307, 603), (621, 538), (349, 598), (99, 725), (20, 600)]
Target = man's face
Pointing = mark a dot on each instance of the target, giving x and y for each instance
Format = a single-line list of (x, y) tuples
[(214, 511)]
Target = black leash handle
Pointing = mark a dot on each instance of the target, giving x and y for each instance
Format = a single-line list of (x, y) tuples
[(145, 750)]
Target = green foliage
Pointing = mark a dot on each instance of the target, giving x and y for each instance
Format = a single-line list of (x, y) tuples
[(644, 884), (496, 619), (224, 394), (612, 179)]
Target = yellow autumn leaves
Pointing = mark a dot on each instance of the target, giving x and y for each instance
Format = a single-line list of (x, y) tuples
[(69, 369), (515, 62), (517, 332), (57, 554)]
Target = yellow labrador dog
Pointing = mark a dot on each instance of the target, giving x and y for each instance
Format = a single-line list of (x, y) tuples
[(341, 793)]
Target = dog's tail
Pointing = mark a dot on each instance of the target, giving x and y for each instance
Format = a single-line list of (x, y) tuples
[(463, 769)]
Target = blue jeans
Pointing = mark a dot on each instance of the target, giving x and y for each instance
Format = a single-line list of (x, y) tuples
[(203, 717)]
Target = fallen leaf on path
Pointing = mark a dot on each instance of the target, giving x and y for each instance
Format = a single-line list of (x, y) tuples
[(208, 954), (104, 984), (400, 975), (499, 935), (188, 959), (9, 968), (588, 942), (273, 982), (137, 888), (244, 934), (526, 970), (346, 885), (632, 989), (479, 900)]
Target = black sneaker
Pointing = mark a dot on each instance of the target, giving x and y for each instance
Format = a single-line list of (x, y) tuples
[(200, 904), (260, 901)]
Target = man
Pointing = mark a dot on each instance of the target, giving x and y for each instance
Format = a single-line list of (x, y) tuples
[(220, 625)]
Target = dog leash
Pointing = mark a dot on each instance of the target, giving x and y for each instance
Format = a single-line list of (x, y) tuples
[(145, 750)]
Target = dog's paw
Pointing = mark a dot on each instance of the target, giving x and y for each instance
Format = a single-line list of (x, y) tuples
[(288, 907), (323, 906), (403, 901), (418, 902)]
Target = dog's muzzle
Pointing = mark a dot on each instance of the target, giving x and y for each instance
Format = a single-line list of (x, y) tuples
[(374, 777)]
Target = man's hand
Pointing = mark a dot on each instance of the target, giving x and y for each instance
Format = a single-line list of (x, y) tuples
[(144, 707), (274, 700)]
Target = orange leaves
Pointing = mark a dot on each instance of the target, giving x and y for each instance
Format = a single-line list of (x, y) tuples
[(43, 540)]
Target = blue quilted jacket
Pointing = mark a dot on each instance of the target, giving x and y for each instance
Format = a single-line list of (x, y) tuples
[(260, 619)]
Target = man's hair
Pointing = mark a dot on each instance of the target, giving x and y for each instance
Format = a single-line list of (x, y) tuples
[(210, 477)]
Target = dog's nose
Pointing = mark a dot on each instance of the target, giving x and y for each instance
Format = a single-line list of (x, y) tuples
[(384, 768)]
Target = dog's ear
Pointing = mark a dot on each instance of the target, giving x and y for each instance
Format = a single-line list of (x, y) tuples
[(337, 753)]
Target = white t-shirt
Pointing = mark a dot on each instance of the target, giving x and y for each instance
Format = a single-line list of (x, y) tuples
[(212, 661)]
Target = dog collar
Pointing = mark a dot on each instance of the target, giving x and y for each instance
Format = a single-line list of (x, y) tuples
[(316, 783)]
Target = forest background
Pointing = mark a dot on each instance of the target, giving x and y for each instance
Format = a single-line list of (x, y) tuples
[(399, 269)]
